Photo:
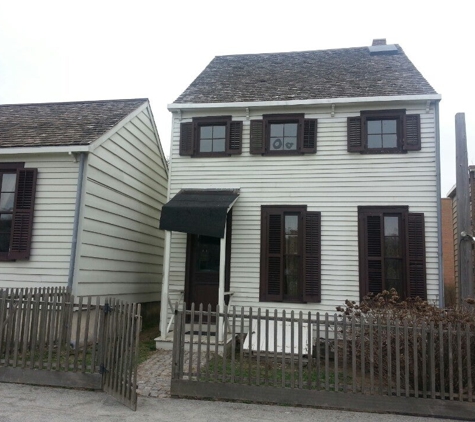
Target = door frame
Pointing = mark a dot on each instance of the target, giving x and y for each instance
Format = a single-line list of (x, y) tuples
[(189, 263)]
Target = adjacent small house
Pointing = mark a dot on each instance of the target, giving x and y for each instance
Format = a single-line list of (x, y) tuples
[(82, 187), (302, 179)]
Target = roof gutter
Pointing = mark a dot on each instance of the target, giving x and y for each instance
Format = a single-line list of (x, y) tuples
[(44, 150), (344, 100)]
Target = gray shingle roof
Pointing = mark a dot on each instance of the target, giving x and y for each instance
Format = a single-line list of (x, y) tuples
[(341, 73), (61, 124)]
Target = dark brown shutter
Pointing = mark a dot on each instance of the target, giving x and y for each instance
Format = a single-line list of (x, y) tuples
[(312, 258), (412, 138), (257, 143), (373, 254), (355, 139), (186, 138), (416, 255), (22, 224), (271, 287), (235, 138), (309, 144)]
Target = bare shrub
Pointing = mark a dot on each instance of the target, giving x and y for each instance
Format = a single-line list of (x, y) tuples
[(436, 347)]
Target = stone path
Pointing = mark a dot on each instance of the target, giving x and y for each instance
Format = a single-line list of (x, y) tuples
[(154, 375)]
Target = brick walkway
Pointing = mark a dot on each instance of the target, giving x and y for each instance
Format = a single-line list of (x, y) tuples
[(154, 375)]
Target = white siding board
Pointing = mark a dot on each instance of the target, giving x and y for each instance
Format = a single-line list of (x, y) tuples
[(332, 181), (121, 247), (52, 223)]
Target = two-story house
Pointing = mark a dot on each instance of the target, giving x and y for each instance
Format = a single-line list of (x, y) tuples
[(302, 179)]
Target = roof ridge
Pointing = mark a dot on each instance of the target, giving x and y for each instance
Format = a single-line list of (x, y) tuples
[(75, 102), (299, 51)]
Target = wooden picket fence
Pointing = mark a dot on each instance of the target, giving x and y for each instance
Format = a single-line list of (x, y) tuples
[(325, 360), (49, 337)]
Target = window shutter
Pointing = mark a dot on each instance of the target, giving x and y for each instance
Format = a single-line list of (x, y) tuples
[(373, 254), (309, 144), (312, 291), (355, 139), (416, 255), (22, 224), (186, 138), (272, 257), (235, 138), (257, 137), (412, 138)]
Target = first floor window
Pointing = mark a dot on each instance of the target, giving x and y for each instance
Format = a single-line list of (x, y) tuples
[(17, 194), (392, 251), (7, 200), (290, 254)]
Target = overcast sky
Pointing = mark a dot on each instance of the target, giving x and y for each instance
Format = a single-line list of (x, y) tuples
[(90, 50)]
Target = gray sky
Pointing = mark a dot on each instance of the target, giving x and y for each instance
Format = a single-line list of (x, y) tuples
[(89, 50)]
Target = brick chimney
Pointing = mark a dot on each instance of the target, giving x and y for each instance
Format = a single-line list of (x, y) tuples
[(379, 41)]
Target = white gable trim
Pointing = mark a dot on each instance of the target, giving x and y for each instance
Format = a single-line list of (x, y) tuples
[(193, 106)]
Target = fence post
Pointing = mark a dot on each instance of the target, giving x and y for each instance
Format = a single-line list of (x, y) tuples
[(177, 346)]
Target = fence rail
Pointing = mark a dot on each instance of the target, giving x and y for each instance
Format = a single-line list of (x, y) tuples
[(328, 353)]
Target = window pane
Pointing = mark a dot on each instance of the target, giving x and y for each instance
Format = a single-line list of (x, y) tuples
[(391, 247), (391, 226), (290, 144), (7, 201), (219, 132), (8, 182), (219, 145), (206, 132), (291, 276), (206, 145), (291, 244), (290, 129), (276, 144), (291, 224), (389, 141), (393, 275), (374, 141), (208, 254), (389, 126), (374, 126), (276, 130)]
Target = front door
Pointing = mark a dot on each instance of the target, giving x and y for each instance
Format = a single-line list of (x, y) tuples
[(202, 274)]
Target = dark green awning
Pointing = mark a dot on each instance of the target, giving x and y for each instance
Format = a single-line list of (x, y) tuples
[(198, 211)]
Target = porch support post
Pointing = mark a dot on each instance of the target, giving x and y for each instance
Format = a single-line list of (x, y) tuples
[(222, 276), (164, 300)]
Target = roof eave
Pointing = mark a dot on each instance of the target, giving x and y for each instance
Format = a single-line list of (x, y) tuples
[(344, 100)]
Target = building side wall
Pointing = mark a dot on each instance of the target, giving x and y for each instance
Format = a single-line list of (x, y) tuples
[(53, 219), (120, 246), (332, 181)]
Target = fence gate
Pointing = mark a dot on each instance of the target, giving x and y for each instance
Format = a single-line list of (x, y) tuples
[(49, 338), (121, 342)]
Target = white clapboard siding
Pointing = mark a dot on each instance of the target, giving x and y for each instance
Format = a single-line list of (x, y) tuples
[(332, 181), (48, 265), (120, 246)]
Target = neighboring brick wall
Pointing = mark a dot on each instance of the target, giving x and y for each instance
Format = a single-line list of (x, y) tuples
[(448, 242)]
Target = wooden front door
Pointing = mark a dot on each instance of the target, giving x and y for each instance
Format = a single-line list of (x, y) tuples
[(203, 271)]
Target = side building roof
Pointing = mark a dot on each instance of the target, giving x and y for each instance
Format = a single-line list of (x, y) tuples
[(61, 124)]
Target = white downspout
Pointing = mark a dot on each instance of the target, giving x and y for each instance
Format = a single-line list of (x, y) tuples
[(165, 281)]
